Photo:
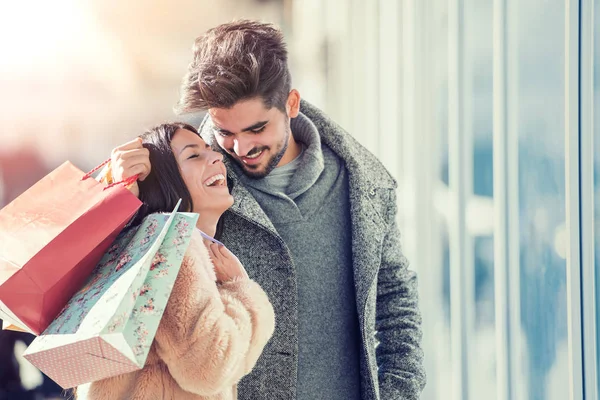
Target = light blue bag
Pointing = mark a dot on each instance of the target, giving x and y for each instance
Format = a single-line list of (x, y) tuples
[(107, 328)]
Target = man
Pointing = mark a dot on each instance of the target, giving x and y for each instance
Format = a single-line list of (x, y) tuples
[(314, 223)]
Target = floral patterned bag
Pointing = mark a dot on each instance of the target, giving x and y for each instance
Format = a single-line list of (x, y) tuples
[(107, 328)]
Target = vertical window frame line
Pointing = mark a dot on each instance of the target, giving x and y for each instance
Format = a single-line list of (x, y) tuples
[(588, 288), (574, 107), (506, 204), (389, 93), (421, 155), (501, 273), (460, 141)]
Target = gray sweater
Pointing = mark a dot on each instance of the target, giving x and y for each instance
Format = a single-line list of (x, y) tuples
[(312, 216)]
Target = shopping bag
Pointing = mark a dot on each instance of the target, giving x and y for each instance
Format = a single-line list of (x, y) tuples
[(10, 324), (52, 237), (12, 327), (107, 328)]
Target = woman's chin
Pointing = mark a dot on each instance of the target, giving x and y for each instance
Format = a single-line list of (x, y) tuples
[(222, 204), (229, 203)]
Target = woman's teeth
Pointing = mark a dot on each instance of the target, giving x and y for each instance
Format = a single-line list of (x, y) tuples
[(216, 180)]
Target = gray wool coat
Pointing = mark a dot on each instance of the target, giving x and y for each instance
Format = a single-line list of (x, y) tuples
[(391, 358)]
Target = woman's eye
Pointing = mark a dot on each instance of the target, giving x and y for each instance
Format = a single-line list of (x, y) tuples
[(193, 156), (259, 130)]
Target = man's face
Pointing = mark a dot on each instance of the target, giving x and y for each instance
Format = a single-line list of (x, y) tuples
[(254, 136)]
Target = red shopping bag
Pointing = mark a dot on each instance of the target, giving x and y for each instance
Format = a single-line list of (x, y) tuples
[(52, 237)]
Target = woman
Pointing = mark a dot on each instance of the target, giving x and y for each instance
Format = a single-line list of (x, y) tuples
[(217, 321)]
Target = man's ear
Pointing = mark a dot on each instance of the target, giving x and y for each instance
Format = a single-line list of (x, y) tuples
[(292, 106)]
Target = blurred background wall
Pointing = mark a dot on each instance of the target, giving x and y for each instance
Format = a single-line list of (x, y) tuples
[(463, 100)]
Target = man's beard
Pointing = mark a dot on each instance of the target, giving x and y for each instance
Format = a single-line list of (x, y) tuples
[(271, 164)]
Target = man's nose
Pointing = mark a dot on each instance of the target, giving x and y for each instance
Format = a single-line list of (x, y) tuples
[(241, 148)]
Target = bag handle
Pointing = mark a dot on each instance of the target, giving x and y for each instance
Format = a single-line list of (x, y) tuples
[(129, 181)]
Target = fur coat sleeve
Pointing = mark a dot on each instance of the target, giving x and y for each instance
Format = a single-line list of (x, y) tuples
[(212, 335)]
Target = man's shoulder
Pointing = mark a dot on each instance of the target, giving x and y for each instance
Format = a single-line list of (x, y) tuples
[(358, 159)]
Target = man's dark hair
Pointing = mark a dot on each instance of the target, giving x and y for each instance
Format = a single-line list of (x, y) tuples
[(237, 61)]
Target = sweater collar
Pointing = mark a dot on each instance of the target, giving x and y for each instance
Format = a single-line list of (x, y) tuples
[(311, 162)]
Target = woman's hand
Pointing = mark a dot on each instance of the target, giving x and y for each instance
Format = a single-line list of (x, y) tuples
[(227, 265), (128, 160)]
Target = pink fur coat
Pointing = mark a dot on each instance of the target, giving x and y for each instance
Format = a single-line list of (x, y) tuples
[(210, 336)]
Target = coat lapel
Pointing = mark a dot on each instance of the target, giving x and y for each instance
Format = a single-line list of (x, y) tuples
[(367, 240), (369, 186), (246, 206)]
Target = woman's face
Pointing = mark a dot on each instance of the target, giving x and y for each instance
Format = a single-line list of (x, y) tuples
[(203, 172)]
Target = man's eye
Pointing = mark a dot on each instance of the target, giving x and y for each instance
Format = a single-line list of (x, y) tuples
[(223, 134), (259, 130)]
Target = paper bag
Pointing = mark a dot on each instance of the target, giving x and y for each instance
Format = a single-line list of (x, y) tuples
[(107, 328), (52, 237)]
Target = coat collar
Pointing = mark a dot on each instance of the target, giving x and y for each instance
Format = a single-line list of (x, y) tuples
[(363, 167)]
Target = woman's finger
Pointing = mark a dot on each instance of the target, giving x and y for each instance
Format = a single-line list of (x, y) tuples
[(142, 169), (137, 170), (136, 159), (140, 159), (215, 251), (222, 251), (133, 153), (226, 253), (124, 162), (134, 144)]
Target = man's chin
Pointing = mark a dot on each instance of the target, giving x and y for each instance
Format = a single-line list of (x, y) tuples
[(255, 173), (249, 170)]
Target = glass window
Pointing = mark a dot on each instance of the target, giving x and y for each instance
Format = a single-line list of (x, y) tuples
[(478, 45), (543, 238), (435, 299)]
